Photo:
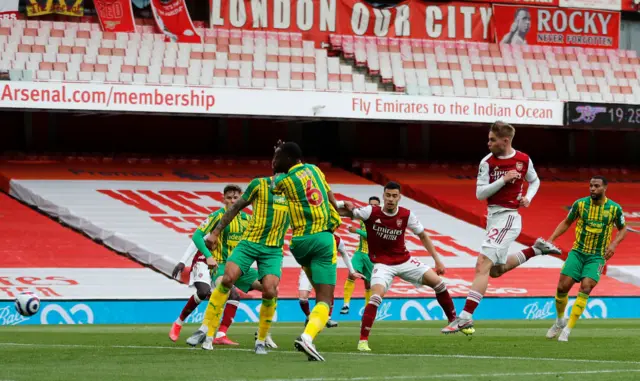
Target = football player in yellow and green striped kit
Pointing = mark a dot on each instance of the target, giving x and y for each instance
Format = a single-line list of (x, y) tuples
[(361, 263), (314, 218), (596, 215), (261, 243)]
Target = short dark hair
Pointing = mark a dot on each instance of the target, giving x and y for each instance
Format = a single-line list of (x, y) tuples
[(232, 188), (600, 177), (392, 185), (292, 150), (374, 198)]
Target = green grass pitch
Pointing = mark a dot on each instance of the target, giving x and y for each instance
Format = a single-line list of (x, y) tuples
[(500, 350)]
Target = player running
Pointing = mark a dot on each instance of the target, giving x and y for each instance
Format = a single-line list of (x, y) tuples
[(200, 277), (314, 218), (262, 243), (592, 247), (361, 263), (305, 287), (386, 229), (501, 178)]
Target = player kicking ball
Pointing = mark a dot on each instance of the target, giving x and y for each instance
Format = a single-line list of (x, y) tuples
[(386, 227), (314, 218), (501, 178), (261, 243), (596, 216), (361, 263)]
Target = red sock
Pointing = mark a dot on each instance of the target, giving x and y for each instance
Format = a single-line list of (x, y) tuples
[(529, 253), (227, 316), (473, 299), (188, 308), (445, 301), (304, 304), (369, 316)]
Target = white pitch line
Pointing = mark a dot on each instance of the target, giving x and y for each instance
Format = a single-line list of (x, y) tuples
[(454, 375), (471, 357)]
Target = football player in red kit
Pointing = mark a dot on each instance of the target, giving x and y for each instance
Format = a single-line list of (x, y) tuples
[(386, 226), (501, 178)]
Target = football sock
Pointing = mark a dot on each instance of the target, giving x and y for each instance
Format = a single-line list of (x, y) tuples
[(349, 286), (473, 299), (317, 320), (304, 305), (577, 309), (229, 313), (191, 305), (561, 304), (267, 310), (445, 301), (217, 300), (369, 316), (367, 296)]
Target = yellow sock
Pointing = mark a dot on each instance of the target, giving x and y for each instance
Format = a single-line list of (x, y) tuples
[(317, 320), (212, 315), (267, 310), (576, 310), (561, 304), (367, 296), (349, 286)]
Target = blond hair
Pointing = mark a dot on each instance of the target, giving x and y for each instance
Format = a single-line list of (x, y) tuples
[(503, 130)]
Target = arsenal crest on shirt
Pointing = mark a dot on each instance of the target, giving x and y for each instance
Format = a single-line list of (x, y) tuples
[(399, 223), (519, 166)]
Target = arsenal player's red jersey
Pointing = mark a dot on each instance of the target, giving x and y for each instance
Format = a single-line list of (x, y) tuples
[(385, 233), (492, 168)]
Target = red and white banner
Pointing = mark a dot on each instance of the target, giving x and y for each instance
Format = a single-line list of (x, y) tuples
[(556, 26), (208, 100), (8, 9), (613, 5), (172, 18), (115, 15), (318, 19)]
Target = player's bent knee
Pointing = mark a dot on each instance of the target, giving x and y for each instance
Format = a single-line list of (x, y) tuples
[(497, 271), (483, 265), (378, 289), (203, 295)]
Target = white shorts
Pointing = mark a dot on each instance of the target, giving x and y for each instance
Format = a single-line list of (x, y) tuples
[(411, 271), (200, 273), (503, 228), (303, 282)]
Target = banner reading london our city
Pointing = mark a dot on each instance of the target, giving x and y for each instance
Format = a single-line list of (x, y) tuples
[(317, 19), (556, 26)]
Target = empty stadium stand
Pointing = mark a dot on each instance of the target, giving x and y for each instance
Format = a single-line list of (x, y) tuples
[(80, 51), (428, 67), (65, 51)]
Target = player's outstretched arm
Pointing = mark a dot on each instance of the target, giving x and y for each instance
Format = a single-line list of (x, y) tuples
[(198, 239), (229, 215), (347, 260), (428, 244), (560, 229), (186, 257)]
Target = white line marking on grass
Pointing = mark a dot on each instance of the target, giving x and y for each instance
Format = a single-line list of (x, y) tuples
[(471, 357), (453, 375)]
